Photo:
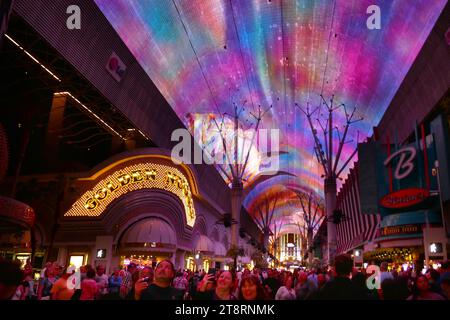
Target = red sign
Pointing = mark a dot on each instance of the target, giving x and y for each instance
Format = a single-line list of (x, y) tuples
[(116, 67), (404, 198)]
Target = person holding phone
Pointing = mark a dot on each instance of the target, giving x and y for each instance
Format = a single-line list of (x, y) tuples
[(224, 286), (161, 288), (145, 278)]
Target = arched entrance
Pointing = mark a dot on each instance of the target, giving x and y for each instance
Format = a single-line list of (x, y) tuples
[(148, 227), (140, 208), (147, 242)]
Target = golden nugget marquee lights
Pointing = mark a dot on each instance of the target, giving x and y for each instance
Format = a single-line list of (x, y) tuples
[(141, 176)]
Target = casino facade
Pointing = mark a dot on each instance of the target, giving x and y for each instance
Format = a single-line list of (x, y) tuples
[(88, 178)]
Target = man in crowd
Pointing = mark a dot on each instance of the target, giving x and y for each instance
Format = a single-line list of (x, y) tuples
[(341, 287), (127, 280), (102, 281), (10, 278), (272, 284), (161, 288)]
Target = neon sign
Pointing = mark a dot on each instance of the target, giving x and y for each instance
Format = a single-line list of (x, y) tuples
[(141, 176), (404, 198), (405, 164)]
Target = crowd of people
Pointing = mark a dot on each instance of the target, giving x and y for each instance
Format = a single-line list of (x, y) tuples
[(342, 282)]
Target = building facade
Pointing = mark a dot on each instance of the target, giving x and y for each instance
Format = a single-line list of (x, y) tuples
[(93, 158)]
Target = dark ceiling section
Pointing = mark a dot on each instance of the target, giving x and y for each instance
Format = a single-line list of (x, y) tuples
[(93, 129)]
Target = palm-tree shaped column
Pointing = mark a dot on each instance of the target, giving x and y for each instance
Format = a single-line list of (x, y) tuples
[(303, 232), (236, 158), (325, 154), (313, 214), (273, 239), (265, 214)]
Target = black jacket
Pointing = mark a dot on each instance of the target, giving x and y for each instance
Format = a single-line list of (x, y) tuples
[(340, 288), (153, 292)]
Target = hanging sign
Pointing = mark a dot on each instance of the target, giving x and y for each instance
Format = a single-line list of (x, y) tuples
[(404, 198), (116, 67)]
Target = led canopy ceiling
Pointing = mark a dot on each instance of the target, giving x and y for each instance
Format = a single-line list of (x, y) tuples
[(205, 55)]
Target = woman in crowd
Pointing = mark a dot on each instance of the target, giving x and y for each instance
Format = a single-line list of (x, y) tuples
[(286, 292), (421, 290), (223, 289), (89, 287), (251, 288)]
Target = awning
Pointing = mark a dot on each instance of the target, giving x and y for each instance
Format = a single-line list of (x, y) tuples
[(348, 239), (219, 249), (203, 244), (150, 230), (16, 212)]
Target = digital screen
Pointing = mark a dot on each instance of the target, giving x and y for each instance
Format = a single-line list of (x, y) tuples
[(274, 53)]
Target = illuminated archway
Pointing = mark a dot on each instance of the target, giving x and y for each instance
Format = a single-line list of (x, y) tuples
[(110, 182)]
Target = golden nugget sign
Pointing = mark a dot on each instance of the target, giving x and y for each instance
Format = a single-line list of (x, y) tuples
[(135, 177)]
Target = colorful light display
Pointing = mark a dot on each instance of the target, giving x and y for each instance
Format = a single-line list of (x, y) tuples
[(202, 55)]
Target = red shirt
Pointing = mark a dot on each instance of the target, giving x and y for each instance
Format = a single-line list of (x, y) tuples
[(88, 289)]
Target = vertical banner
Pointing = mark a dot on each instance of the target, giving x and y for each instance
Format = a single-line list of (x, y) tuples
[(407, 169), (397, 178), (5, 12)]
